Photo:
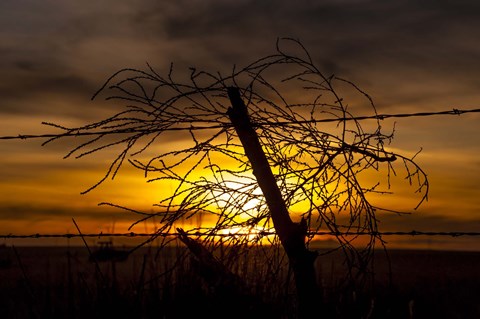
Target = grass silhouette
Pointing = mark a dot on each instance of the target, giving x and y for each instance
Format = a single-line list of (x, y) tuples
[(60, 282)]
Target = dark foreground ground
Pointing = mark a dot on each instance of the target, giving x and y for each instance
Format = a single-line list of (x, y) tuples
[(60, 282)]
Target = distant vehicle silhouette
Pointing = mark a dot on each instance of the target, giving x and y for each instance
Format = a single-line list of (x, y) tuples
[(106, 252)]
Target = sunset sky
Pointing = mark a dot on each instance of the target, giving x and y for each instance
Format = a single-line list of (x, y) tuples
[(410, 56)]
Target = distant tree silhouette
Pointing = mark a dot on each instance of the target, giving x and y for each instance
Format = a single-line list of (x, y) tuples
[(246, 151)]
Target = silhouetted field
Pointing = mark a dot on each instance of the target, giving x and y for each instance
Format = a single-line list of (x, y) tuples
[(60, 282)]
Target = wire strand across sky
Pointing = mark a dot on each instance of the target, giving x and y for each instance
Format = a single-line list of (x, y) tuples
[(194, 127)]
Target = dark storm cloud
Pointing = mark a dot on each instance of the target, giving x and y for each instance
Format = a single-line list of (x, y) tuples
[(55, 54), (407, 51), (41, 54), (28, 87), (347, 29), (68, 48)]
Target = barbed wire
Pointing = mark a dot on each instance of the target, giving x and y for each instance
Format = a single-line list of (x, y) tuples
[(236, 234), (193, 127)]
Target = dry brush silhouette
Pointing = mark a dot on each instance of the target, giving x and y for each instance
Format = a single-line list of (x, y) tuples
[(217, 137)]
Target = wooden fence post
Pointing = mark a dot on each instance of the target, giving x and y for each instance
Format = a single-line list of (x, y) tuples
[(292, 235)]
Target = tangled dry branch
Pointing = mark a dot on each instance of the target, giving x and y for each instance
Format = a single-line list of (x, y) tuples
[(322, 169)]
